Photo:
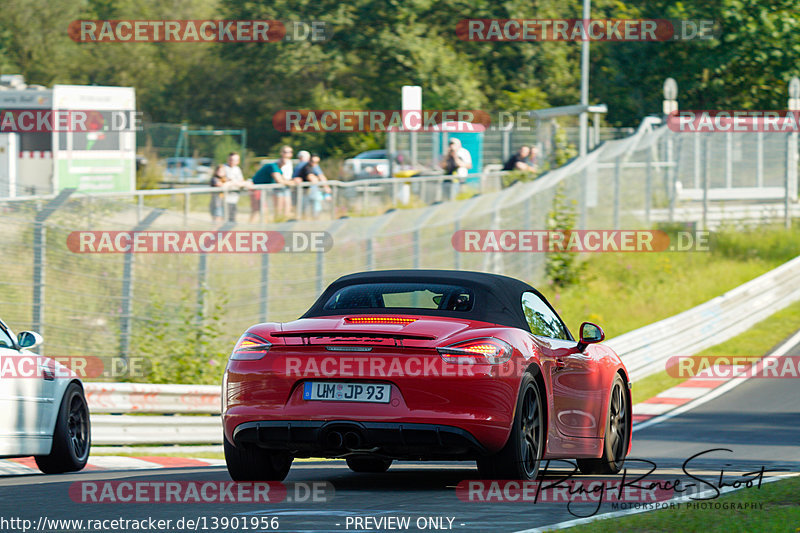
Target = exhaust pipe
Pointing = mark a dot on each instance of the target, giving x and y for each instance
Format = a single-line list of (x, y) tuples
[(352, 440), (334, 440)]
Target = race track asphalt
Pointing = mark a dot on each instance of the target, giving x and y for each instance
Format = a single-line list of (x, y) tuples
[(757, 421)]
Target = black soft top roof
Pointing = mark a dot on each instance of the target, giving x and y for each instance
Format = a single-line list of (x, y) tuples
[(497, 298)]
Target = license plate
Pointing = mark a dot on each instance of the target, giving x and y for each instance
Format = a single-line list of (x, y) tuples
[(347, 392)]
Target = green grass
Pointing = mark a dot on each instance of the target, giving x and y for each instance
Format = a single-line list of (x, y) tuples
[(755, 342), (622, 292), (780, 512), (646, 388), (625, 291)]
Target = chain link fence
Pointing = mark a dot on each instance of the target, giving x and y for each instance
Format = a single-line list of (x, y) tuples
[(426, 149), (193, 306)]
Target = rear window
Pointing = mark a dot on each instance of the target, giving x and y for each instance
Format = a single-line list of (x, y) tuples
[(402, 296)]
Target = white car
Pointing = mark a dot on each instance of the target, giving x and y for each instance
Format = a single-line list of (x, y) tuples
[(188, 169), (372, 164), (43, 409)]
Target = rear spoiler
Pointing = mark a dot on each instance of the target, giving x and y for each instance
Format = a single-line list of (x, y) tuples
[(350, 334)]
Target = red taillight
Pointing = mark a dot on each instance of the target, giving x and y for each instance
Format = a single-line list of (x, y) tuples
[(394, 320), (487, 350), (250, 347)]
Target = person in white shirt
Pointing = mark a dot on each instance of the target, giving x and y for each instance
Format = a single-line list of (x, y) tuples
[(458, 160), (283, 197), (235, 182), (232, 169)]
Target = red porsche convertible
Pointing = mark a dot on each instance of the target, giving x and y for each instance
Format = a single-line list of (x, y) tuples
[(425, 365)]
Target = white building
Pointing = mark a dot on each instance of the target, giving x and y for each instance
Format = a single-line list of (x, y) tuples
[(38, 159)]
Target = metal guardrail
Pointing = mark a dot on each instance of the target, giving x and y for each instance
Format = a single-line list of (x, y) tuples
[(644, 351), (356, 195), (110, 430), (127, 398), (126, 428), (726, 215)]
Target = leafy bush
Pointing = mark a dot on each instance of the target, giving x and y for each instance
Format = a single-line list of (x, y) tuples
[(151, 174), (518, 176), (563, 150), (182, 345), (562, 268)]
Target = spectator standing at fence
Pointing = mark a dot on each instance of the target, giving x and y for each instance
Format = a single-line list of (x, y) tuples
[(520, 161), (216, 206), (284, 165), (235, 183), (458, 160), (534, 158), (303, 157), (315, 160), (312, 173), (264, 176), (232, 169)]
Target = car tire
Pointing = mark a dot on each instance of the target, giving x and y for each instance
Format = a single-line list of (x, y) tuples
[(368, 465), (618, 431), (522, 453), (251, 463), (72, 437)]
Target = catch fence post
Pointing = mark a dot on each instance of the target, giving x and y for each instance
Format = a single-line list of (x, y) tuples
[(40, 257), (617, 192), (126, 314), (648, 187)]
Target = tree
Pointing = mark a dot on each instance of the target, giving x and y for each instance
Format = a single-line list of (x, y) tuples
[(746, 67)]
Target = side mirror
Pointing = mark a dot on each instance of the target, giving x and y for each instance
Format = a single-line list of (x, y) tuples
[(29, 339), (590, 334)]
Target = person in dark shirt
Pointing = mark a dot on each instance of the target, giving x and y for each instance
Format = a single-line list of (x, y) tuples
[(262, 177), (278, 171), (520, 160), (310, 170), (217, 208), (312, 173), (303, 157)]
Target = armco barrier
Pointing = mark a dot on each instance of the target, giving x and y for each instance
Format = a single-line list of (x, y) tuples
[(644, 351), (727, 216), (152, 398), (128, 430)]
